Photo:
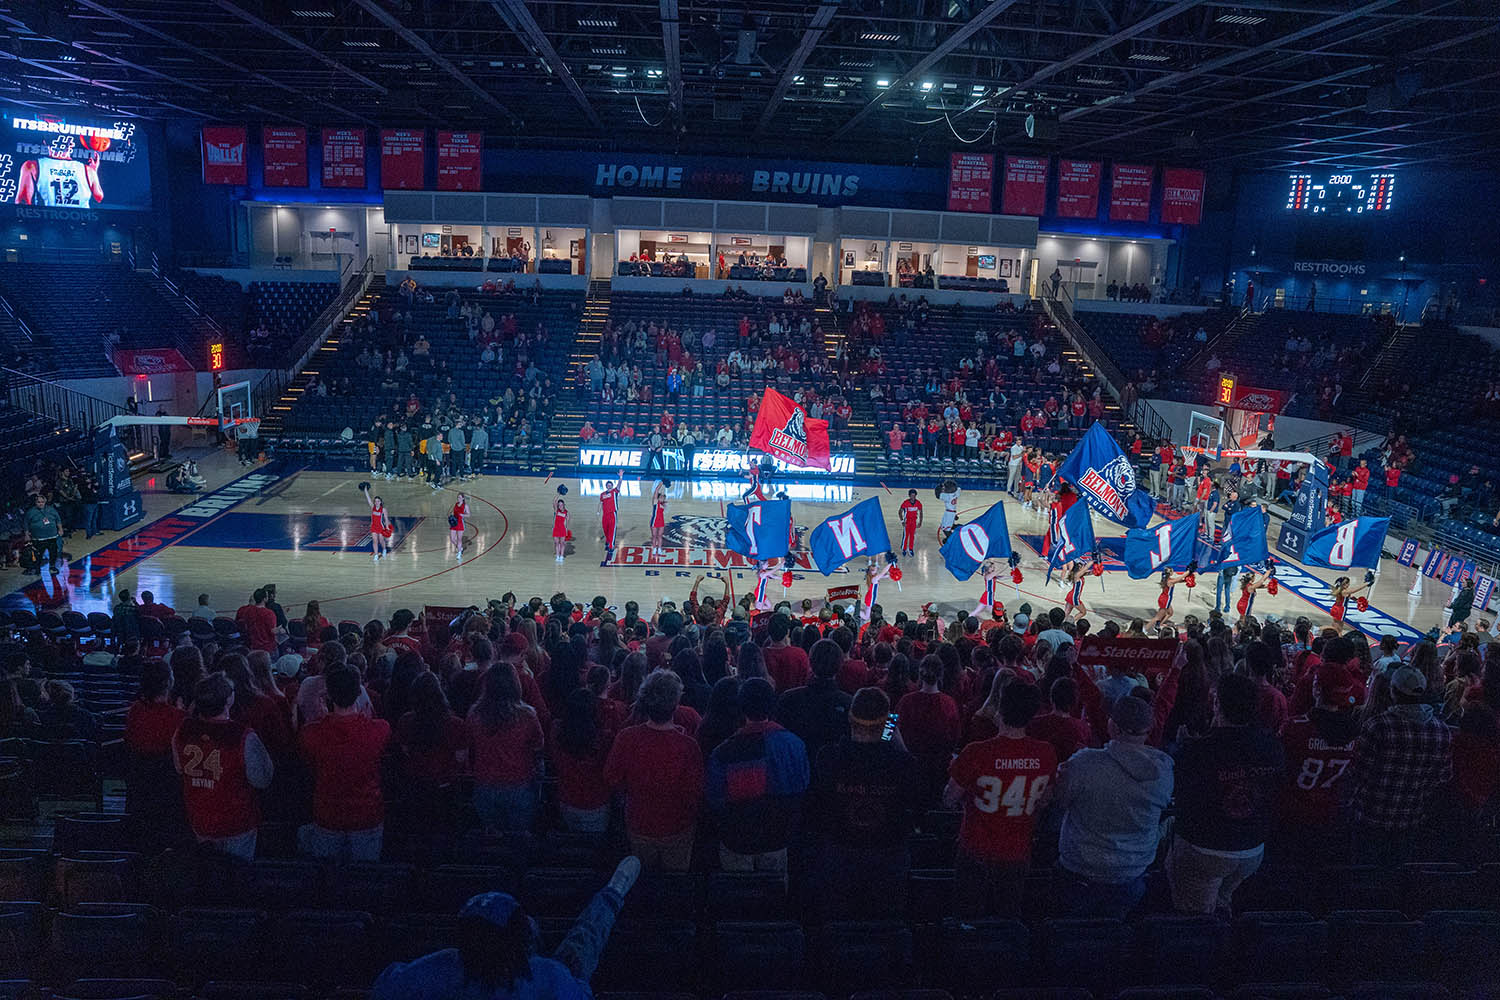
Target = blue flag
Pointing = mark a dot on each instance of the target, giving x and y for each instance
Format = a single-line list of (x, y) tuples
[(1244, 541), (1071, 538), (759, 530), (1103, 476), (1348, 544), (859, 531), (1170, 545), (985, 537)]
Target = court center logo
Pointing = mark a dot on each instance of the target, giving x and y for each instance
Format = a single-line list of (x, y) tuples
[(694, 531)]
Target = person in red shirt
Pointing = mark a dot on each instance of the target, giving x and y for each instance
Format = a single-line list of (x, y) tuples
[(1000, 783), (1319, 749), (343, 750), (432, 741), (1060, 727), (1270, 704), (257, 622), (659, 769), (222, 763), (153, 791), (397, 638), (150, 609), (787, 665), (929, 723), (910, 513), (505, 744), (579, 748), (1359, 482)]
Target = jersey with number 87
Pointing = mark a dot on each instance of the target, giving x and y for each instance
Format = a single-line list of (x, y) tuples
[(1004, 781)]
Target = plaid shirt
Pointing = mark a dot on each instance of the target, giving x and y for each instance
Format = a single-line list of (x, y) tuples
[(1401, 757)]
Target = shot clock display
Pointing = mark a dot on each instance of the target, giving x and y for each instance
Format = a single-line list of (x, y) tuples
[(1342, 194)]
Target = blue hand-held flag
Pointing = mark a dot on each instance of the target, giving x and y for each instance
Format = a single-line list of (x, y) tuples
[(1348, 544), (759, 530), (1071, 538), (1169, 545), (985, 537), (1103, 476), (860, 530)]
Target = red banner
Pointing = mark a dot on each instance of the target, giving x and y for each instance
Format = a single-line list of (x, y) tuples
[(785, 431), (1248, 397), (971, 182), (1078, 188), (157, 362), (1025, 186), (460, 161), (1182, 196), (1144, 656), (1130, 192), (224, 159), (403, 153), (343, 157), (285, 149)]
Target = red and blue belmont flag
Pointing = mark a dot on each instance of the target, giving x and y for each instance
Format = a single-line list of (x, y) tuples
[(784, 430)]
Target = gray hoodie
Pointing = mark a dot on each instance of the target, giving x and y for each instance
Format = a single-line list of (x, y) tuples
[(1112, 800)]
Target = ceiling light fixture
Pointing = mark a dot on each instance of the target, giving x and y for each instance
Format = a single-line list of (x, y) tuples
[(1246, 20), (1150, 57), (879, 36), (608, 50), (323, 12), (598, 23), (882, 82), (360, 43), (927, 86)]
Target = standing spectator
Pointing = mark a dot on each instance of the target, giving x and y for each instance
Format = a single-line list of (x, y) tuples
[(1000, 783), (580, 747), (930, 723), (787, 665), (756, 781), (505, 743), (659, 768), (1227, 783), (1319, 748), (344, 750), (1402, 757), (818, 712), (258, 622), (43, 524), (153, 791), (1111, 801), (222, 763)]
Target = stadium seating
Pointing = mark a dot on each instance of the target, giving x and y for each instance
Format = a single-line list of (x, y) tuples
[(282, 310), (1143, 345)]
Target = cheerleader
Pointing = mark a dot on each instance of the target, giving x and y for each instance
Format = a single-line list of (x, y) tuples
[(1341, 592), (991, 570), (1030, 463), (381, 528), (609, 502), (658, 517), (765, 571), (1169, 582), (1250, 582), (456, 523), (560, 522), (1073, 588), (873, 575)]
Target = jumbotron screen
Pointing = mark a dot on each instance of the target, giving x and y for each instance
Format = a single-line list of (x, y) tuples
[(1341, 194), (69, 164)]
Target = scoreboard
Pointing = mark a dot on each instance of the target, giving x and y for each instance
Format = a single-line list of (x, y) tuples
[(1342, 194)]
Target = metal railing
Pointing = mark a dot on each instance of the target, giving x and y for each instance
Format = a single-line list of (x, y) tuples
[(1059, 308), (1195, 365), (353, 284), (68, 407), (15, 318)]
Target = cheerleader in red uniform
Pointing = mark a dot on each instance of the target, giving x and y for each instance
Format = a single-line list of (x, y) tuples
[(456, 523), (1169, 582), (381, 527), (1250, 582), (609, 502), (991, 571), (658, 517), (765, 572), (1341, 591), (873, 575), (560, 522), (1073, 589)]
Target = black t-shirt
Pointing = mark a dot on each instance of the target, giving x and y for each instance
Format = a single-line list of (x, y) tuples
[(865, 794), (1227, 787), (818, 713)]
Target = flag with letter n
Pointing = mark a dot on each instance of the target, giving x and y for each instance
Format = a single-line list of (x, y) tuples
[(1348, 544), (783, 429), (859, 531), (759, 530), (1070, 538), (1171, 545), (985, 537)]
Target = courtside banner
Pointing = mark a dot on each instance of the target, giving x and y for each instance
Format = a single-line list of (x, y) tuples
[(1408, 553), (784, 430), (1433, 564), (1138, 655), (1484, 588)]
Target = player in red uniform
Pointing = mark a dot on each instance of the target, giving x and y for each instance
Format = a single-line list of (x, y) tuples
[(609, 502), (456, 523), (755, 491), (658, 517), (381, 528), (560, 522), (910, 513)]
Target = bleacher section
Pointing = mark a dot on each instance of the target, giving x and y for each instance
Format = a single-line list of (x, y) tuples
[(1143, 346), (457, 380), (1336, 351), (280, 310), (736, 272), (705, 411), (26, 439)]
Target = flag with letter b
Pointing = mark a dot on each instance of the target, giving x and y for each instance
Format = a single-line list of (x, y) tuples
[(1348, 544)]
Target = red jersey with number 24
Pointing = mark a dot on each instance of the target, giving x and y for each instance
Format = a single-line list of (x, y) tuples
[(1004, 780)]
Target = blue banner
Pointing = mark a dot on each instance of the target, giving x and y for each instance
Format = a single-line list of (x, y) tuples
[(1348, 544), (1244, 542), (1071, 538), (1172, 545), (759, 530), (985, 537), (1433, 564), (1408, 553), (858, 531), (1103, 476), (1484, 587)]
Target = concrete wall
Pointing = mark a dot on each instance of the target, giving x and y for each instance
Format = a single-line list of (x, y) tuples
[(1159, 310), (473, 279), (938, 296), (706, 286), (245, 275)]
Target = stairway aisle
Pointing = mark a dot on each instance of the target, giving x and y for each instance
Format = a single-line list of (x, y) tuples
[(572, 401), (271, 422)]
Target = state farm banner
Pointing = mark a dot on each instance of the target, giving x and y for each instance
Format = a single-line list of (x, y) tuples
[(152, 362), (224, 159), (1025, 186), (1182, 196), (403, 153), (1144, 656), (1130, 192), (284, 148), (460, 161), (1078, 188), (971, 182), (1248, 397), (343, 157)]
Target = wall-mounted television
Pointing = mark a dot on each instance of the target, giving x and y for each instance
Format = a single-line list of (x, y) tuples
[(431, 241), (986, 262)]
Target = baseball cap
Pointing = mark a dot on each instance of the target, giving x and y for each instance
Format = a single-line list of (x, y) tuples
[(1337, 683), (1132, 715), (499, 908), (1408, 681), (1020, 621), (287, 665)]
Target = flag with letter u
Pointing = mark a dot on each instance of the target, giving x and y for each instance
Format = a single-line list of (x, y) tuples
[(1348, 544), (759, 530), (783, 429), (859, 531), (985, 537)]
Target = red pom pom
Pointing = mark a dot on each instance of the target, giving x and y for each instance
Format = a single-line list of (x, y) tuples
[(1272, 586), (1015, 575), (1362, 604), (1098, 569), (570, 536), (786, 578), (896, 573), (1191, 580)]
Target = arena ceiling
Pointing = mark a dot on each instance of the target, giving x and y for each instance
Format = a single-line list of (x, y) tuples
[(1263, 84)]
